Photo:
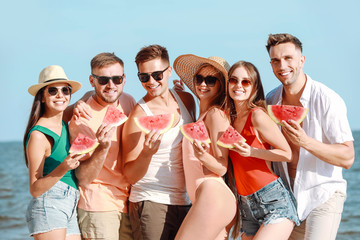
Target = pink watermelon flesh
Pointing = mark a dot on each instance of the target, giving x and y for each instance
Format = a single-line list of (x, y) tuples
[(161, 122), (83, 144), (196, 130), (114, 116), (286, 112), (229, 137)]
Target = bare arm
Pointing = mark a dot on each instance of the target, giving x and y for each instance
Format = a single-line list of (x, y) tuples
[(216, 123), (90, 168), (137, 148), (339, 154), (38, 149), (268, 132), (189, 103)]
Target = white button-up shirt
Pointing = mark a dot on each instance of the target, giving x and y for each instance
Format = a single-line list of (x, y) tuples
[(316, 181)]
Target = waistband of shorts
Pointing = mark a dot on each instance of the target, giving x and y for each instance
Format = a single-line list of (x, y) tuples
[(63, 186), (266, 188)]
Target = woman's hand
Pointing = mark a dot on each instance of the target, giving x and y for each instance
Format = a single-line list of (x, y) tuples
[(243, 149), (200, 149)]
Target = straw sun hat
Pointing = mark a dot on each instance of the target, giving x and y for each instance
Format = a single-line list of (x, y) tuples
[(53, 74), (186, 66)]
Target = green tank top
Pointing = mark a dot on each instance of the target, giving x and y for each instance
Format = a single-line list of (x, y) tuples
[(59, 152)]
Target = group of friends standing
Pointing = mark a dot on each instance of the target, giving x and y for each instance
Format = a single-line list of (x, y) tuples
[(282, 183)]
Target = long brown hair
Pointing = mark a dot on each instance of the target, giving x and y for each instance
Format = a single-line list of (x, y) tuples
[(37, 111), (257, 98)]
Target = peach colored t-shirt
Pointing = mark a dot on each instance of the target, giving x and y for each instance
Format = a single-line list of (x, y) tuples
[(110, 190)]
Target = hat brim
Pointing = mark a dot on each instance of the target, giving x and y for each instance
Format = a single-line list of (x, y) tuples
[(75, 86), (186, 66)]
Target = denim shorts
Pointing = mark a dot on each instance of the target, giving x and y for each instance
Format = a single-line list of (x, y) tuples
[(54, 209), (270, 204)]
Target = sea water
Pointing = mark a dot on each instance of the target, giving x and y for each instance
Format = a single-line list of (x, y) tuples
[(14, 194)]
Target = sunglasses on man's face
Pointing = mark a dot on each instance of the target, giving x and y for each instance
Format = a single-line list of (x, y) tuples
[(103, 80), (53, 91), (245, 82), (210, 81), (158, 75)]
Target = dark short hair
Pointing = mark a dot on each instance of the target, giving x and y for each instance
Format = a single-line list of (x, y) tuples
[(275, 39), (151, 52), (105, 59)]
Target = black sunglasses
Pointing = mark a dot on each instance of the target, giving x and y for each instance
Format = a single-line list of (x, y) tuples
[(244, 82), (158, 75), (103, 80), (209, 80), (53, 91)]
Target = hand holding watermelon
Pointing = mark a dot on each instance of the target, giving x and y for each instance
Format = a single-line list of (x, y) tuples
[(230, 137), (294, 133), (280, 113), (82, 110), (242, 148), (152, 142)]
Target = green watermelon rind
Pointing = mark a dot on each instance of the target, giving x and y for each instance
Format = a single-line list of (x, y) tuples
[(164, 130), (87, 150), (276, 120), (230, 146), (122, 120), (190, 138)]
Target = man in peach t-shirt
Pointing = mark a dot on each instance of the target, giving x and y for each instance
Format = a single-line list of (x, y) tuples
[(104, 191)]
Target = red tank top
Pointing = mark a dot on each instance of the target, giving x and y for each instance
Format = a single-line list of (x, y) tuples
[(251, 174)]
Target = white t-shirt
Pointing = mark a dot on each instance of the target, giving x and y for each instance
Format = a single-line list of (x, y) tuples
[(164, 181), (316, 181)]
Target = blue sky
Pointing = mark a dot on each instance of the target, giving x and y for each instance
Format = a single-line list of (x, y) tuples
[(35, 34)]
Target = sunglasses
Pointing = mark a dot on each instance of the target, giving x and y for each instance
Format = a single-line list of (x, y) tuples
[(244, 82), (53, 91), (103, 80), (210, 81), (158, 75)]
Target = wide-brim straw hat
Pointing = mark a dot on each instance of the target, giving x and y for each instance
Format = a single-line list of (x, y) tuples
[(186, 66), (53, 74)]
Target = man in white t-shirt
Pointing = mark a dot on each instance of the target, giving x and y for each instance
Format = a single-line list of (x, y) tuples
[(153, 162), (321, 146)]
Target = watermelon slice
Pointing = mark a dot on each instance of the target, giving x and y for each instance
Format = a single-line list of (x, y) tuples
[(287, 112), (161, 122), (83, 144), (229, 137), (196, 130), (114, 116)]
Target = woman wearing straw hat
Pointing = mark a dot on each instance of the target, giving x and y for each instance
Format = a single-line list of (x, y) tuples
[(268, 208), (213, 203), (51, 213)]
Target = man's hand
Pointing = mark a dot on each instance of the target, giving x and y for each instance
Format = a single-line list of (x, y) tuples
[(152, 142), (104, 135), (82, 109), (294, 133)]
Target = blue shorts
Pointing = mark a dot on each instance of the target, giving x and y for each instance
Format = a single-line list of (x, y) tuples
[(270, 204), (54, 209)]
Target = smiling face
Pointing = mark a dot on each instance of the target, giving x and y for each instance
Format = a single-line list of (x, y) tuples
[(57, 102), (287, 62), (110, 92), (204, 91), (153, 87), (240, 85)]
